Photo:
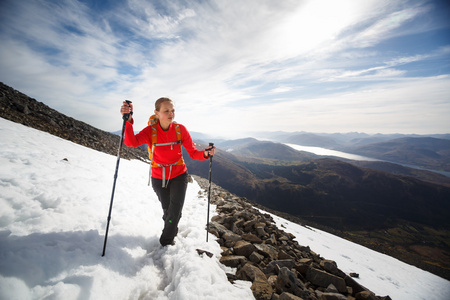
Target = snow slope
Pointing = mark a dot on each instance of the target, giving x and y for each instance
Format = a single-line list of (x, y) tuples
[(54, 200), (53, 219)]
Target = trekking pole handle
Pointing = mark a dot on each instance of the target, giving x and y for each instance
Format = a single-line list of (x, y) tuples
[(125, 116), (211, 145)]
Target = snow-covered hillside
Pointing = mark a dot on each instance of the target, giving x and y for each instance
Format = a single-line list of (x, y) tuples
[(54, 201)]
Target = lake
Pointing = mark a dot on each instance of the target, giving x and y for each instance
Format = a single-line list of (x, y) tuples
[(327, 152)]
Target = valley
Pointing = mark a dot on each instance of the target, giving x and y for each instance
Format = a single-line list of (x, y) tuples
[(405, 216)]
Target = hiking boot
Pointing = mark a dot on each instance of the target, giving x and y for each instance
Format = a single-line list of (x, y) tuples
[(171, 243)]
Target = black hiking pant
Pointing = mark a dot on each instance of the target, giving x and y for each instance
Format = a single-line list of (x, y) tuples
[(172, 201)]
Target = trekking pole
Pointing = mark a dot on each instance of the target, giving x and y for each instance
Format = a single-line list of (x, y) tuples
[(209, 191), (125, 119)]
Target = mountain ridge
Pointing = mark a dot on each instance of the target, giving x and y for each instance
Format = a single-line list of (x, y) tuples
[(427, 152), (18, 107)]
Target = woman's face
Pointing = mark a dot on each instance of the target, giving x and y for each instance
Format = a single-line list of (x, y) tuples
[(166, 113)]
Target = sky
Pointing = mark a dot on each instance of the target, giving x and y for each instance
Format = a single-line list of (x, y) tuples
[(55, 197), (232, 67)]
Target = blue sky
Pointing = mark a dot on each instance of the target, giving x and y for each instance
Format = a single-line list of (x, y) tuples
[(236, 66)]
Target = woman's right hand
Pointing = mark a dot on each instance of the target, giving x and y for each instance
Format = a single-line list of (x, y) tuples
[(127, 108)]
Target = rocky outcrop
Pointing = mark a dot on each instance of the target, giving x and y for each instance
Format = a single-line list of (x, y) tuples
[(278, 267), (20, 108)]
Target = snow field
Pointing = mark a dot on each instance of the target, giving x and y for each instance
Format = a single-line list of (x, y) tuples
[(55, 197)]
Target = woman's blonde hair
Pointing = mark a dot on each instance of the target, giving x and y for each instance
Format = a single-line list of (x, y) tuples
[(160, 101)]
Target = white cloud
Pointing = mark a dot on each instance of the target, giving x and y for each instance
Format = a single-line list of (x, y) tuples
[(385, 27), (419, 103), (281, 89), (222, 62)]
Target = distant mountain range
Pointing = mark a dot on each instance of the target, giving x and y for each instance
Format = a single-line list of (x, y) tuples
[(428, 152), (336, 141)]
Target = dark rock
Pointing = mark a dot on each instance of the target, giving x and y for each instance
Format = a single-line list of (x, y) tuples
[(332, 296), (259, 227), (288, 281), (249, 225), (283, 255), (301, 268), (219, 228), (226, 251), (233, 260), (366, 295), (200, 252), (331, 267), (228, 207), (244, 248), (288, 296), (267, 251), (260, 286), (324, 279), (356, 287), (231, 277), (272, 240), (231, 238), (250, 237), (331, 289), (256, 257), (274, 266)]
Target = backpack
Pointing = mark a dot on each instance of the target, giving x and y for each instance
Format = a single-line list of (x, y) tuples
[(153, 122)]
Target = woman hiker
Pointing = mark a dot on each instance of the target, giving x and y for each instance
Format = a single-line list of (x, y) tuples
[(168, 171)]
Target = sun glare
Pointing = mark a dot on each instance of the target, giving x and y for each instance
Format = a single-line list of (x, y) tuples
[(312, 24)]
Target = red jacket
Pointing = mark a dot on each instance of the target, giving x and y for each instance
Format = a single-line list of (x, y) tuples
[(164, 154)]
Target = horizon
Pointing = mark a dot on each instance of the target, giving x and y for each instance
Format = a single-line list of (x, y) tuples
[(312, 66), (254, 134)]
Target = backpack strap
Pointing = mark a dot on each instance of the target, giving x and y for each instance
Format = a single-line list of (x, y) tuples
[(153, 122)]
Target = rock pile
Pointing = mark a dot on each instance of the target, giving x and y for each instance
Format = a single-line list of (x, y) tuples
[(277, 266), (20, 108)]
